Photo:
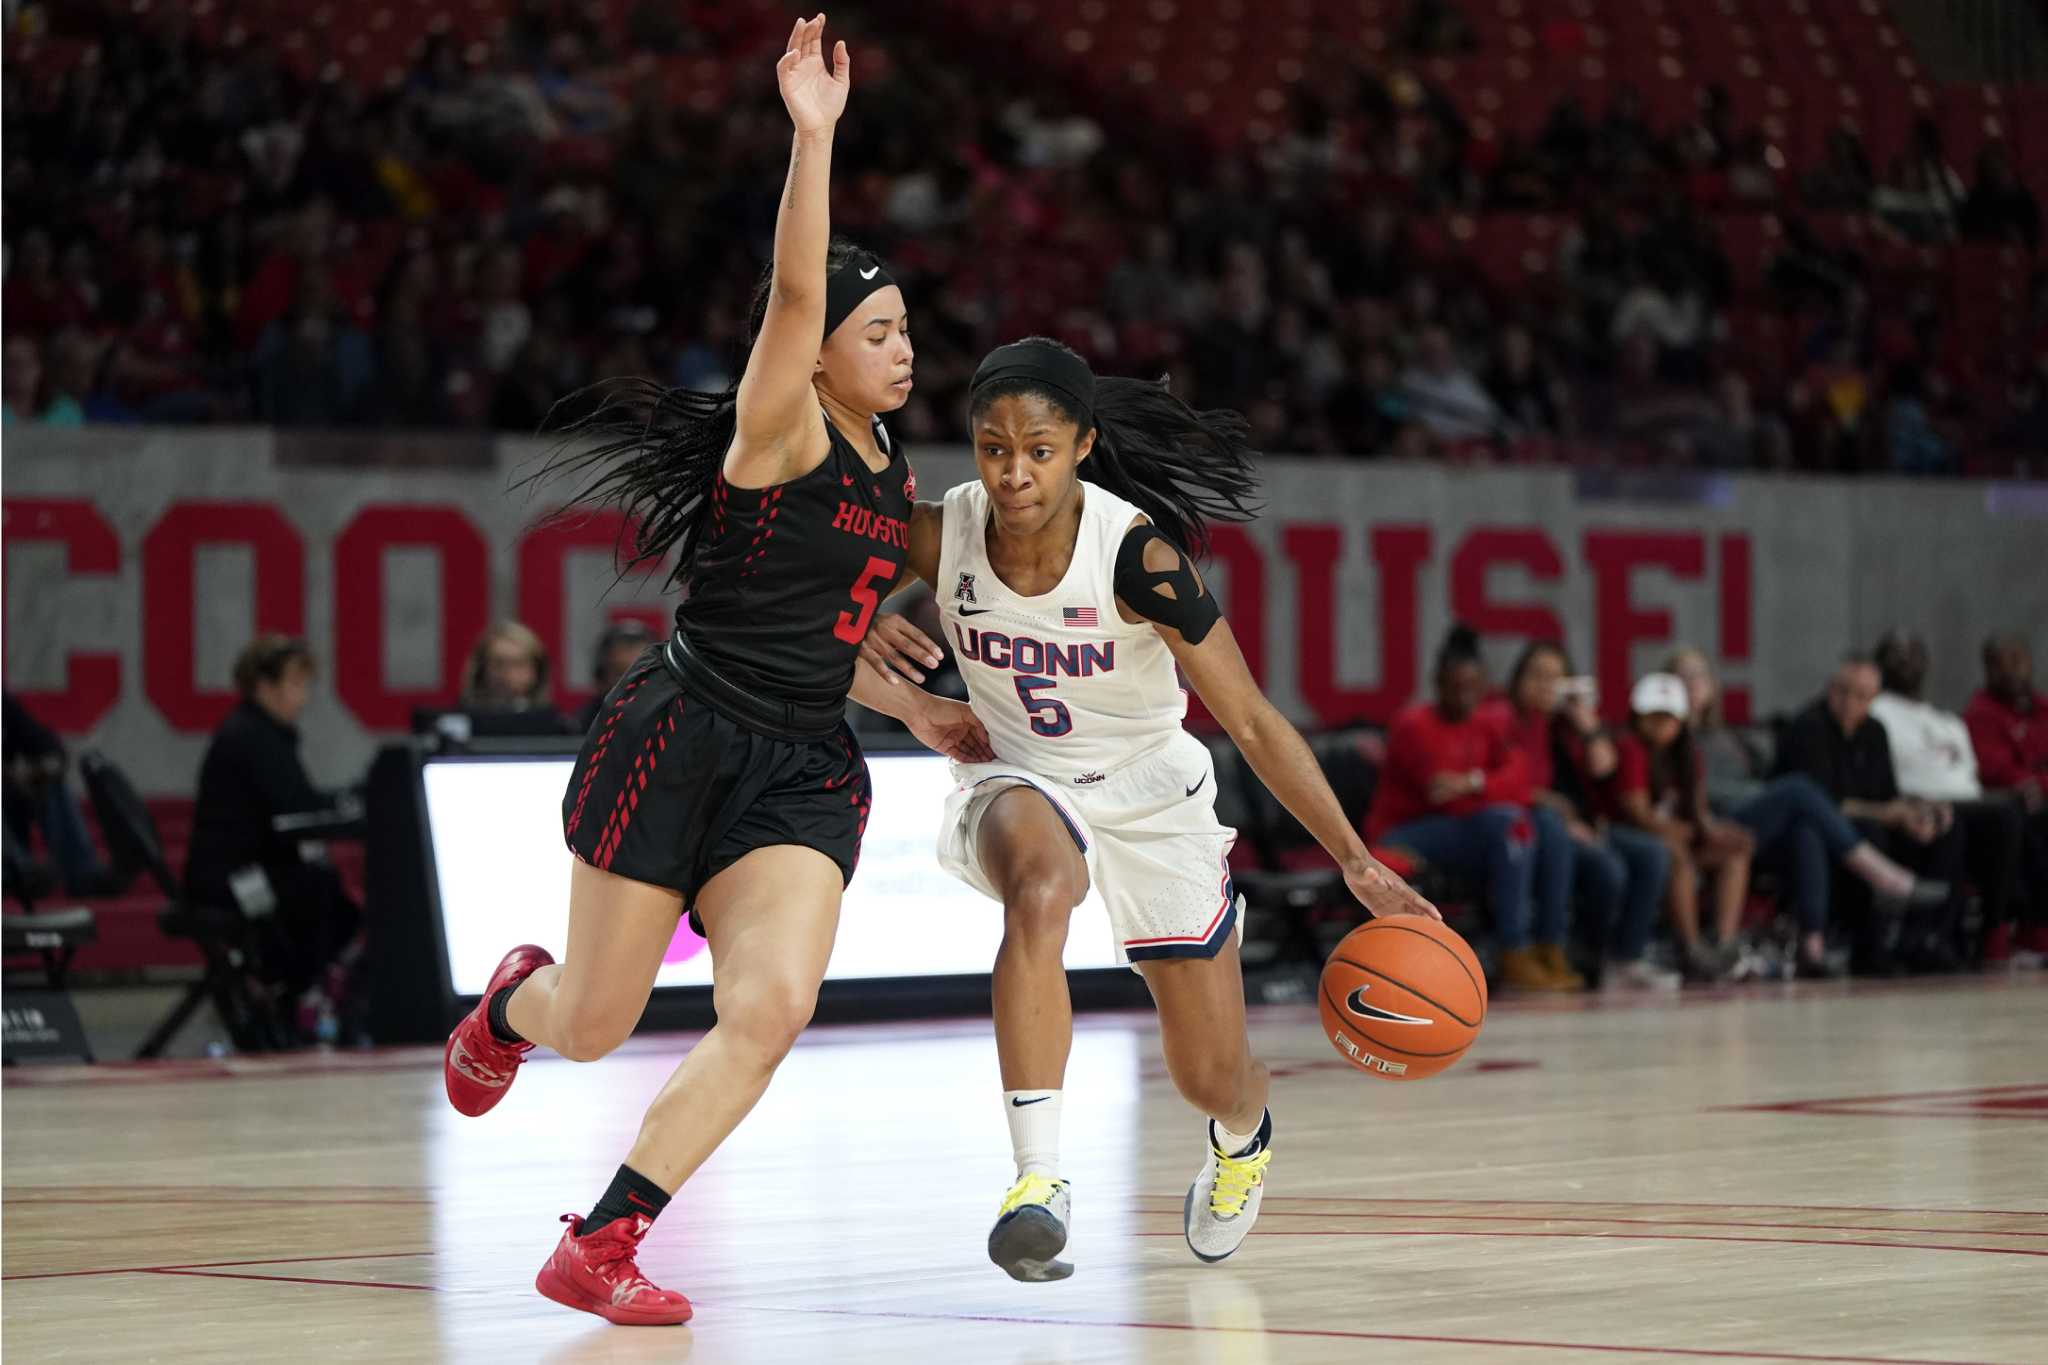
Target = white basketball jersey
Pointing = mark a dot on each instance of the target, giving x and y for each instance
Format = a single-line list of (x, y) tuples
[(1064, 684)]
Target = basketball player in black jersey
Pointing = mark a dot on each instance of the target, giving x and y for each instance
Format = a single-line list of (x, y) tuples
[(720, 779)]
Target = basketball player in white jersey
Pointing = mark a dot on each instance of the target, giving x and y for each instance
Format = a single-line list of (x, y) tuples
[(1069, 602)]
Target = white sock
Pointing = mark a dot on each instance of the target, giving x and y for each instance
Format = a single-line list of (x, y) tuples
[(1234, 1144), (1034, 1117)]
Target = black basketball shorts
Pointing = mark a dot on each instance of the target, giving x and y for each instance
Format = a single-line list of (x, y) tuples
[(671, 791)]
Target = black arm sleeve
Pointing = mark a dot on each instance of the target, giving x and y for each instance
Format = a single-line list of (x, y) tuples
[(1174, 597)]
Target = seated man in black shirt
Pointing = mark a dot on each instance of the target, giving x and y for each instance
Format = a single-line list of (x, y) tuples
[(249, 851), (1840, 745)]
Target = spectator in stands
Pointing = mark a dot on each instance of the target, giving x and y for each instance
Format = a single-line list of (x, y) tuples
[(1843, 180), (1800, 833), (1526, 388), (507, 671), (1618, 872), (1659, 786), (26, 398), (1454, 793), (1935, 761), (622, 643), (1447, 398), (246, 854), (1837, 743), (1999, 207), (1437, 28), (2008, 723), (1913, 443), (39, 799)]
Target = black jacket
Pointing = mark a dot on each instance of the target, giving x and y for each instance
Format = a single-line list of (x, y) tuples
[(1854, 767), (250, 776)]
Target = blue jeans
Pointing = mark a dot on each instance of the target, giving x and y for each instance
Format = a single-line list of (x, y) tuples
[(1802, 833), (1618, 881), (1496, 845)]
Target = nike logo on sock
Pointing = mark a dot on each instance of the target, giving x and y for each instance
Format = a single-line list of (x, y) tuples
[(632, 1198), (1019, 1104)]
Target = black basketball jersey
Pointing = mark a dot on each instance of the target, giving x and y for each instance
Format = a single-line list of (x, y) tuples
[(787, 578)]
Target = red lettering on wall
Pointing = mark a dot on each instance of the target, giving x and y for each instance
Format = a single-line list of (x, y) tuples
[(1735, 610), (169, 611), (543, 593), (92, 679), (1398, 553), (1486, 546), (359, 606), (1618, 624)]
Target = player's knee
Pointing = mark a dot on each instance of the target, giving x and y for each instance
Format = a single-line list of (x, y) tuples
[(1036, 913), (768, 1016), (585, 1033)]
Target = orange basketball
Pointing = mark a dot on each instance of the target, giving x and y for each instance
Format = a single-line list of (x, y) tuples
[(1402, 997)]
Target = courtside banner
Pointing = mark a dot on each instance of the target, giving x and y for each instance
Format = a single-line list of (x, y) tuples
[(139, 560)]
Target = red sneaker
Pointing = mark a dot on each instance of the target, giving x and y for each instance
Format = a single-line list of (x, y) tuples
[(476, 1067), (597, 1274)]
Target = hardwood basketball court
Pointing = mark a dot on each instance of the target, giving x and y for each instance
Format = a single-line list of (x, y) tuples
[(1821, 1173)]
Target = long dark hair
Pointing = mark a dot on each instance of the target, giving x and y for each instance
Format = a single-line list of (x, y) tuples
[(1182, 467), (652, 451), (1677, 769)]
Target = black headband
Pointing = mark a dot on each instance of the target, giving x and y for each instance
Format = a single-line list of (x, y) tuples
[(851, 285), (1065, 373)]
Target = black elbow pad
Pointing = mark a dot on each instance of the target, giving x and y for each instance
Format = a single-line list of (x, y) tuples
[(1173, 597)]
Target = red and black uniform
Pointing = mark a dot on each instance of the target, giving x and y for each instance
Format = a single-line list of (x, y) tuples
[(731, 735)]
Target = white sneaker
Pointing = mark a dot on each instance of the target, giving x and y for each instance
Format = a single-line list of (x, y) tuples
[(1638, 975), (1223, 1203), (1031, 1229)]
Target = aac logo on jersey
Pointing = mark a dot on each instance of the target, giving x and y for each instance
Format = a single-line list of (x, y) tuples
[(965, 592)]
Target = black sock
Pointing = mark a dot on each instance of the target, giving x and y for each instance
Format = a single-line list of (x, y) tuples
[(495, 1014), (631, 1194)]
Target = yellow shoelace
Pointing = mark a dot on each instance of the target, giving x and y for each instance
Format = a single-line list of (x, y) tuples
[(1029, 1189), (1236, 1178)]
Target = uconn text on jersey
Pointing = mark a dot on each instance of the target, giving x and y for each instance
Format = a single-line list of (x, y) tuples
[(1022, 654)]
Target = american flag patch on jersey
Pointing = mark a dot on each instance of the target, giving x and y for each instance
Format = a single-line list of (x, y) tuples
[(1079, 616)]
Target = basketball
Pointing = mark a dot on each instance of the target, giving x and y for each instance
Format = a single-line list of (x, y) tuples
[(1402, 997)]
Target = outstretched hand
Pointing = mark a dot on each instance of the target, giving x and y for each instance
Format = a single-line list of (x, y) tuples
[(897, 649), (814, 93), (951, 728), (1383, 893)]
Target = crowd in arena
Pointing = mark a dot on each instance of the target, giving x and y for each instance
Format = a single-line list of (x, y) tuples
[(200, 232)]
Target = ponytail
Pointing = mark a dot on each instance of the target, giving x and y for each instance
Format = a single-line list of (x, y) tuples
[(1180, 466), (652, 452)]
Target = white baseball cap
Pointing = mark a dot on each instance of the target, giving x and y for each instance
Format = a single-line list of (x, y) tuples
[(1659, 694)]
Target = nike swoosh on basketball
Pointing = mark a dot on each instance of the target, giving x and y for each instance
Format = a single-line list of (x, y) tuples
[(1356, 1004), (1019, 1104), (1198, 786), (871, 272)]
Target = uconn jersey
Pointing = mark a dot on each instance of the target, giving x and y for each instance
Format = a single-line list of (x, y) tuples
[(1064, 684), (1086, 709)]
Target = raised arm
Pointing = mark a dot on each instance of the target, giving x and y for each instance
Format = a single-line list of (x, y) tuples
[(779, 421), (1155, 582)]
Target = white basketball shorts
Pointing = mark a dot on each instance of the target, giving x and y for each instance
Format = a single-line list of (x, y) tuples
[(1148, 832)]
